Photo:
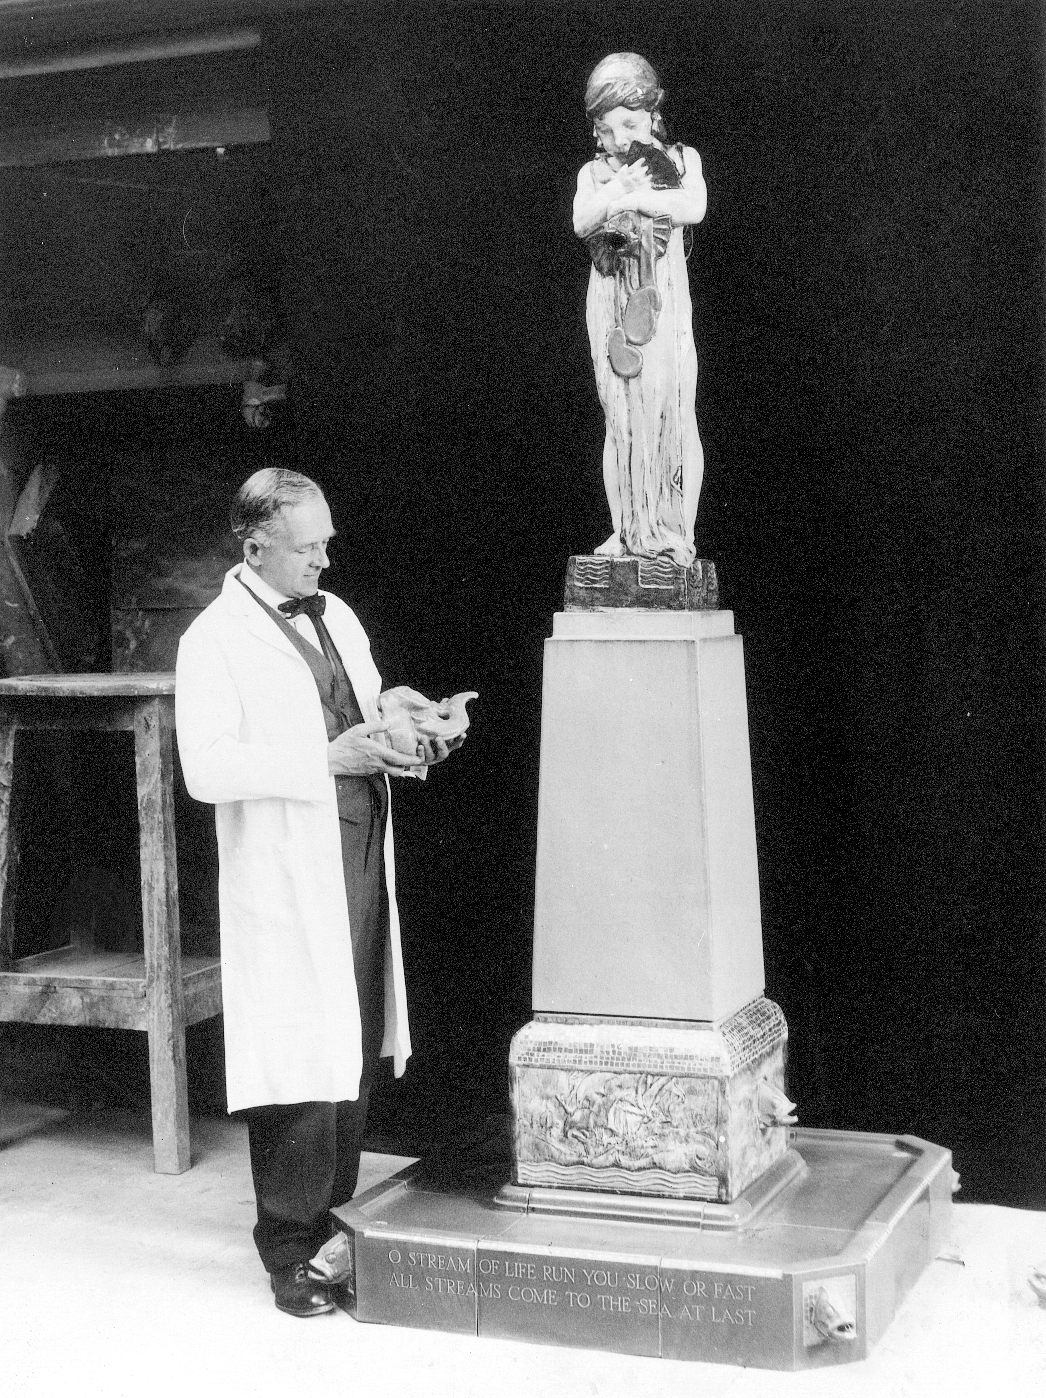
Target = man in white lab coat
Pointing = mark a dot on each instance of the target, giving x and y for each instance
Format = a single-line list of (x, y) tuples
[(278, 726)]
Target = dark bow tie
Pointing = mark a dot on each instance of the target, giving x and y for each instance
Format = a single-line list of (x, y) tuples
[(313, 607)]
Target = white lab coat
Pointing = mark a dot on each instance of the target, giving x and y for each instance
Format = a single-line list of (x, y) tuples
[(252, 740)]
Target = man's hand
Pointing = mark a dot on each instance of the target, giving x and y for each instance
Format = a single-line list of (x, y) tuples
[(355, 753), (433, 750)]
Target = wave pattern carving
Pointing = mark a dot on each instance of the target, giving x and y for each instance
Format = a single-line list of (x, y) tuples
[(673, 1186)]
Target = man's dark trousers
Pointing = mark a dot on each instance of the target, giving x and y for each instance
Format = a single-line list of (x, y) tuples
[(305, 1156)]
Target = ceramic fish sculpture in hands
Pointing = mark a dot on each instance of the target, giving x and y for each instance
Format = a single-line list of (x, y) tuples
[(413, 721)]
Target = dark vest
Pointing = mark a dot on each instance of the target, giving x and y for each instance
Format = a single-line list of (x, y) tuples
[(357, 796)]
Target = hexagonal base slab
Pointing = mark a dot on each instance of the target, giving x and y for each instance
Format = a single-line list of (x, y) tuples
[(814, 1283)]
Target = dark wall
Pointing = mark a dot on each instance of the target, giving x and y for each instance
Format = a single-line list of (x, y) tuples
[(868, 298)]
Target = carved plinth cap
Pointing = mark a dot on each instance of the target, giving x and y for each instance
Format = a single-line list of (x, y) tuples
[(655, 584)]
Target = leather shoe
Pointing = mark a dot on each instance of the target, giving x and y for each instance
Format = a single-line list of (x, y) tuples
[(297, 1293)]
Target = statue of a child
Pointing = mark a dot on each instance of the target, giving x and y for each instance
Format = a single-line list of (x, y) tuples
[(633, 202)]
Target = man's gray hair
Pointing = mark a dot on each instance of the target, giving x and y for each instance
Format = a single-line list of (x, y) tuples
[(262, 496)]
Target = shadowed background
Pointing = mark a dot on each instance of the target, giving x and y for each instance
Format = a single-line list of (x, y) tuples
[(867, 291), (868, 313)]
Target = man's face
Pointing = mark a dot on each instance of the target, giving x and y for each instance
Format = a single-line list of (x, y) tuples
[(293, 554)]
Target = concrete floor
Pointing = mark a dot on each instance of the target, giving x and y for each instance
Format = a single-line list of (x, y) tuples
[(117, 1281)]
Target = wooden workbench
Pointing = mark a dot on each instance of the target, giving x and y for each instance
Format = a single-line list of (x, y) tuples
[(155, 990)]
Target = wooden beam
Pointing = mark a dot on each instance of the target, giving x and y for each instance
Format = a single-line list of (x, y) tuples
[(8, 839), (102, 685), (149, 49), (100, 364), (202, 983), (64, 1004), (29, 23), (21, 652), (102, 139), (165, 993)]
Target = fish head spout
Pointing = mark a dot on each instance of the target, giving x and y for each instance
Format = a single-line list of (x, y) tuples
[(831, 1321), (773, 1107)]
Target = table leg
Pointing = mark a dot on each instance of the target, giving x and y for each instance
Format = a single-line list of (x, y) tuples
[(153, 728)]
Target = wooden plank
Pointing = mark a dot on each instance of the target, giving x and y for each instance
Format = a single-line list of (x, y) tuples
[(96, 686), (152, 48), (37, 24), (101, 363), (200, 969), (71, 715), (107, 378), (34, 499), (56, 957), (118, 974), (153, 734), (51, 572), (15, 561), (22, 652), (87, 723), (82, 961), (24, 520), (141, 135), (128, 965), (100, 987), (61, 1004), (8, 839), (203, 995)]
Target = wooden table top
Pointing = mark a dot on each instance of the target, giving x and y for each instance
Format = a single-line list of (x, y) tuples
[(95, 686)]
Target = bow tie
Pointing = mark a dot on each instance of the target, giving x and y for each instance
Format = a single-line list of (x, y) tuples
[(313, 607)]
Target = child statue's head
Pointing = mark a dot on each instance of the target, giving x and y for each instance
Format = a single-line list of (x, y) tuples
[(624, 80)]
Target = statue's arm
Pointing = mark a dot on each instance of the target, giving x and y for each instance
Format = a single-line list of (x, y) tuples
[(597, 190), (684, 205)]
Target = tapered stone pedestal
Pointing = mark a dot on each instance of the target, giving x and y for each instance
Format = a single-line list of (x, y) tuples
[(653, 1064), (646, 901)]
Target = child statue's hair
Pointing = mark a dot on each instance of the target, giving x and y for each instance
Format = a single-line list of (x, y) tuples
[(625, 80)]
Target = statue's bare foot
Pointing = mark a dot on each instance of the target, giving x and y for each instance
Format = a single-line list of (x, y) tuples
[(612, 547)]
